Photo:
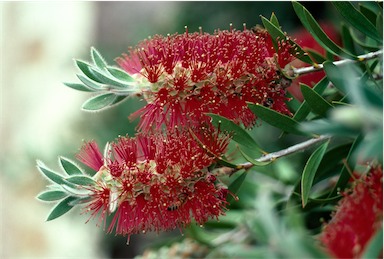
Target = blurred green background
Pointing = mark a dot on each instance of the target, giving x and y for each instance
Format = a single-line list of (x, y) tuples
[(41, 118)]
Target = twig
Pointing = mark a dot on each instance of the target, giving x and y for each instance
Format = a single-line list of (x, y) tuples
[(273, 156), (317, 67)]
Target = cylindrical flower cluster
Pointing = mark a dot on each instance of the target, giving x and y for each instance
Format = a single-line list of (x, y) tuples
[(357, 219), (156, 182), (184, 76)]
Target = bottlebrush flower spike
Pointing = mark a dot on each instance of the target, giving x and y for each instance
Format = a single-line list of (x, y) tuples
[(158, 182), (182, 77), (357, 218)]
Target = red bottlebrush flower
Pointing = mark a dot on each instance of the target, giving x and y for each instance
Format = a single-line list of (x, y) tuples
[(91, 156), (159, 182), (182, 77), (358, 216)]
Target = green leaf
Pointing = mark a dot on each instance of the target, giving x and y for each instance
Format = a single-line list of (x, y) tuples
[(99, 102), (120, 74), (335, 75), (69, 166), (79, 87), (315, 101), (374, 247), (276, 119), (90, 83), (357, 19), (49, 174), (345, 174), (316, 56), (318, 34), (98, 59), (309, 172), (61, 208), (367, 46), (52, 195), (274, 20), (252, 160), (86, 69), (347, 39), (108, 80), (235, 185), (379, 24), (80, 180), (304, 109), (239, 134), (368, 13), (277, 35)]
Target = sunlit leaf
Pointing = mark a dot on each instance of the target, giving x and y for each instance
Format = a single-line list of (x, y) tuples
[(120, 74), (309, 172)]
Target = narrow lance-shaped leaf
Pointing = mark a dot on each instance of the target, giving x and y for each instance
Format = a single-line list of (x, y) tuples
[(69, 166), (278, 34), (315, 30), (274, 20), (235, 185), (106, 79), (357, 19), (52, 195), (86, 68), (99, 102), (98, 59), (61, 208), (252, 160), (276, 119), (239, 134), (315, 101), (120, 74), (49, 174), (345, 174), (304, 109), (80, 180), (79, 87), (310, 170)]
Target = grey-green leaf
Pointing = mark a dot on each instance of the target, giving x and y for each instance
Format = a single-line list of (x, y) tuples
[(69, 166), (80, 180), (61, 208), (120, 74), (49, 174), (79, 87), (309, 172), (86, 69), (235, 185), (98, 59), (52, 195), (99, 102)]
